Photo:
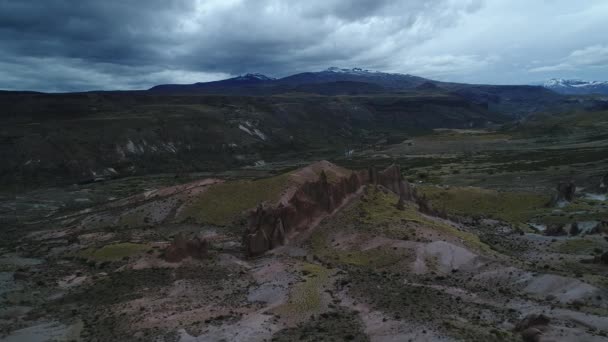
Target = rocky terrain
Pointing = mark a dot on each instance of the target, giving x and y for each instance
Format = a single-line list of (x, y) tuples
[(58, 139), (422, 214), (318, 253)]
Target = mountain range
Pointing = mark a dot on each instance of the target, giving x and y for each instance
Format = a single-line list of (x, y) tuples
[(258, 84), (577, 87), (514, 100), (80, 137)]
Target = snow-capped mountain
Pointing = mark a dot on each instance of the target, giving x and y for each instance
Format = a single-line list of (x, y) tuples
[(229, 85), (353, 71), (360, 72), (254, 76), (564, 86), (334, 74)]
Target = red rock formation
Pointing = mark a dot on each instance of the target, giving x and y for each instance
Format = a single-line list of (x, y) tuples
[(181, 248), (270, 226), (392, 179)]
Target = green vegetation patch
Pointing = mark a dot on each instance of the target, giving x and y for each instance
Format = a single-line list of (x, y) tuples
[(388, 293), (374, 258), (514, 207), (579, 246), (306, 297), (380, 209), (222, 203), (465, 134), (581, 209), (330, 326), (114, 252), (371, 258), (376, 215)]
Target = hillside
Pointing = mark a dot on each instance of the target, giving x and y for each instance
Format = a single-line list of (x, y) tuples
[(79, 137)]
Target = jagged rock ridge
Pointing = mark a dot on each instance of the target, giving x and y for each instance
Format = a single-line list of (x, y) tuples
[(270, 226)]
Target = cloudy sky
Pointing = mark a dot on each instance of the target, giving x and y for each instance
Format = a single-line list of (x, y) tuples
[(67, 45)]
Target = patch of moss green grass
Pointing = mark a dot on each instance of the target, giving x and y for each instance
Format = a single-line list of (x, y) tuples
[(113, 252), (376, 214), (380, 209), (306, 298), (580, 209), (513, 207), (222, 203), (579, 246)]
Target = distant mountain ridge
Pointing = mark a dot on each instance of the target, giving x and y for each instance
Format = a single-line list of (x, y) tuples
[(514, 100), (576, 86), (391, 81)]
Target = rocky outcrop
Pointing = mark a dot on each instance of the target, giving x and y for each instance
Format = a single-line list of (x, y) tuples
[(598, 259), (532, 327), (392, 179), (574, 230), (270, 226), (555, 229), (601, 228), (565, 192), (603, 259), (182, 248)]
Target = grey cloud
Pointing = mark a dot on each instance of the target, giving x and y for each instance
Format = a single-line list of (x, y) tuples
[(106, 40), (590, 56), (88, 44)]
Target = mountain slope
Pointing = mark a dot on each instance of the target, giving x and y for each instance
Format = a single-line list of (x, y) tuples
[(239, 83), (55, 138), (512, 100)]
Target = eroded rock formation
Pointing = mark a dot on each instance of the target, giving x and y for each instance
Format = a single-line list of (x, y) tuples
[(270, 226), (598, 259), (392, 179), (555, 229), (565, 192), (182, 247), (532, 327)]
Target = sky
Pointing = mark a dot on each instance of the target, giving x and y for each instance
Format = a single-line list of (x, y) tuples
[(76, 45)]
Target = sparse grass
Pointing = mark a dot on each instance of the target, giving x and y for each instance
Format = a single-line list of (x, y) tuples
[(132, 219), (578, 210), (578, 246), (222, 203), (466, 134), (377, 215), (514, 207), (338, 325), (306, 297), (427, 305), (380, 209), (375, 258), (113, 252)]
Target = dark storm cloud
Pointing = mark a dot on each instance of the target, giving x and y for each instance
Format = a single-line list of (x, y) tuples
[(65, 45), (105, 31), (68, 45)]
